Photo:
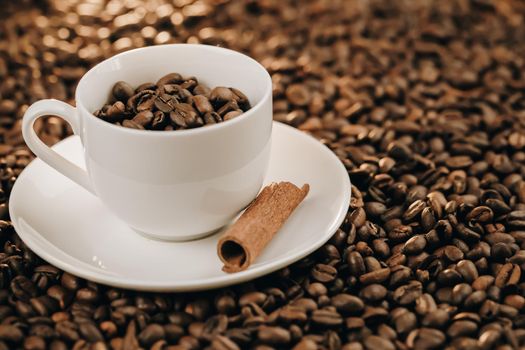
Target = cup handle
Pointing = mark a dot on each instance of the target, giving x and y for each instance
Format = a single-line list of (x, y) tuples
[(52, 158)]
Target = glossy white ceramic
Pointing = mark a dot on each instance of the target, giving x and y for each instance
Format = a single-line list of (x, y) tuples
[(71, 229), (172, 185)]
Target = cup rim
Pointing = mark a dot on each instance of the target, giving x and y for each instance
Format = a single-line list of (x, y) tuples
[(169, 133)]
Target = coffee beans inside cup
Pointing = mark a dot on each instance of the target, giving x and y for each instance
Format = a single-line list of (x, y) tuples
[(172, 103)]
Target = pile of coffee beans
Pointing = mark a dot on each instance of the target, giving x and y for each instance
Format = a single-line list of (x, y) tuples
[(172, 103), (423, 102)]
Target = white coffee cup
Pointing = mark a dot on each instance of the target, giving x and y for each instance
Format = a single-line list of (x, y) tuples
[(172, 185)]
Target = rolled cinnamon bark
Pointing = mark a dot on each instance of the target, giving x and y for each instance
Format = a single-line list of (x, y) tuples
[(244, 241)]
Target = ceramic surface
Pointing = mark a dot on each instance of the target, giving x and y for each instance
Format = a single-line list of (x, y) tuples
[(71, 228), (172, 185)]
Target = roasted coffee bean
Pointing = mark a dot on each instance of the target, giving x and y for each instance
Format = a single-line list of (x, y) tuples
[(400, 233), (228, 107), (202, 90), (10, 333), (202, 104), (241, 98), (173, 332), (34, 343), (404, 321), (407, 294), (376, 276), (145, 86), (273, 335), (452, 253), (231, 114), (324, 273), (183, 116), (87, 295), (437, 318), (414, 209), (460, 292), (305, 303), (327, 318), (67, 330), (170, 78), (488, 338), (70, 282), (298, 94), (22, 288), (375, 208), (509, 274), (501, 251), (346, 303), (483, 282), (58, 345), (44, 305), (516, 301), (164, 103), (415, 245), (375, 315), (159, 121), (462, 328), (60, 294), (129, 123), (220, 342), (115, 112), (480, 214), (253, 297), (467, 270), (214, 325), (293, 314), (225, 304), (375, 342), (371, 263), (90, 332), (151, 334), (122, 91), (449, 277), (221, 95), (211, 118), (356, 264), (143, 118), (426, 338), (475, 299), (316, 289), (144, 100), (373, 292)]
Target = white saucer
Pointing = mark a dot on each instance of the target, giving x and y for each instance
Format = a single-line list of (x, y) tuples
[(70, 228)]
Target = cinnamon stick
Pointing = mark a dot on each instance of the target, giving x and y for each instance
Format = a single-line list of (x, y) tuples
[(244, 241)]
